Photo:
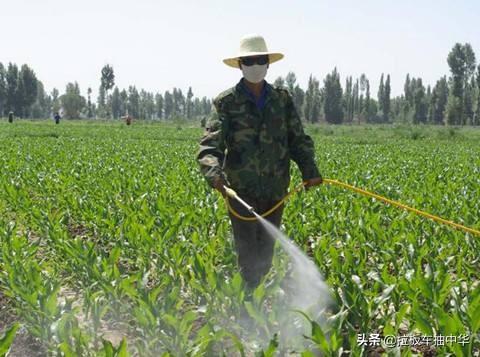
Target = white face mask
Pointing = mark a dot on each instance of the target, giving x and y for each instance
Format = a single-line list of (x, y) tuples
[(255, 73)]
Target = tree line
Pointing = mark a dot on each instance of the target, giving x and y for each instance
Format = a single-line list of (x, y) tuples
[(453, 100), (24, 95)]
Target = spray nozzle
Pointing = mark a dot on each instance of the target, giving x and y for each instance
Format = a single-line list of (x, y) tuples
[(232, 194)]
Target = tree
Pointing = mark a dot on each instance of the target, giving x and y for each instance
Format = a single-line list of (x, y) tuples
[(373, 108), (159, 105), (407, 89), (348, 100), (207, 106), (116, 104), (168, 105), (469, 84), (147, 105), (367, 99), (312, 107), (290, 82), (107, 81), (279, 82), (461, 61), (143, 113), (41, 107), (381, 92), (476, 120), (3, 89), (368, 111), (468, 102), (133, 102), (101, 103), (456, 62), (124, 102), (439, 100), (432, 99), (296, 92), (189, 105), (407, 103), (89, 104), (470, 61), (333, 98), (356, 99), (453, 110), (298, 99), (27, 90), (420, 105), (72, 101), (12, 88), (363, 82), (197, 107), (364, 101), (55, 100), (178, 103), (386, 99)]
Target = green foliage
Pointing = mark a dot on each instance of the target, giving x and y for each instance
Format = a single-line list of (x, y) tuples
[(419, 103), (461, 61), (381, 93), (312, 103), (7, 339), (117, 234), (453, 110), (279, 82), (72, 101), (107, 79), (386, 100), (438, 101), (332, 104), (18, 89), (3, 89)]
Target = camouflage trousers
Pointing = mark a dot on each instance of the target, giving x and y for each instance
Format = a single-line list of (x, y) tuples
[(253, 245)]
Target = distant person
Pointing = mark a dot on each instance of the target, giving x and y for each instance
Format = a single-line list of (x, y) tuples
[(248, 143), (128, 119), (57, 118), (10, 117)]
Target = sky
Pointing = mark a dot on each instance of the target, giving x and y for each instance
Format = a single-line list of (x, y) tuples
[(158, 45)]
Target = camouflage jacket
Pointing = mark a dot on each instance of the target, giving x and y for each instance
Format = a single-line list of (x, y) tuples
[(251, 148)]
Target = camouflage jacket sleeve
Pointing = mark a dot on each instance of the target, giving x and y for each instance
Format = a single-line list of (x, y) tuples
[(301, 146), (211, 154)]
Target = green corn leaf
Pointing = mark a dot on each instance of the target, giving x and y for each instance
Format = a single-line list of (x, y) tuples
[(66, 350), (108, 348), (254, 313), (7, 339), (122, 349)]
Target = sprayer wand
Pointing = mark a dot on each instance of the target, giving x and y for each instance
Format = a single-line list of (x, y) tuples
[(231, 193)]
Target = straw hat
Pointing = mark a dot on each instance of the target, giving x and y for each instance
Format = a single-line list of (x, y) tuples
[(252, 45)]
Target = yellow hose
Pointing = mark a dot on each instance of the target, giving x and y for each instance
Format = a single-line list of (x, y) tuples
[(362, 192)]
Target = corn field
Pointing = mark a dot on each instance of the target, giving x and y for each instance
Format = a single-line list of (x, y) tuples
[(112, 244)]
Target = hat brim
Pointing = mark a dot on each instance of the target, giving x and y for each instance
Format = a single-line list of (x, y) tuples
[(272, 58)]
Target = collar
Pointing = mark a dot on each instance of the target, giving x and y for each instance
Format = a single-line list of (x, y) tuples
[(242, 89)]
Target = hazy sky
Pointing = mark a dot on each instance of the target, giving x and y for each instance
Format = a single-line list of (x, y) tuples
[(157, 45)]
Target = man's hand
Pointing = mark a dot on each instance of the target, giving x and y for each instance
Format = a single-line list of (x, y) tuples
[(313, 182), (219, 184)]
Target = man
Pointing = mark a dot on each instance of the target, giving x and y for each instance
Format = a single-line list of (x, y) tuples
[(10, 117), (57, 118), (248, 143), (128, 119)]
